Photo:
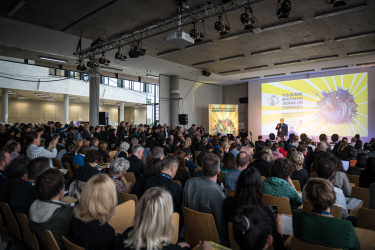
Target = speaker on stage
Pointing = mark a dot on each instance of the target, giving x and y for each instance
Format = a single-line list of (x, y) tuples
[(103, 118), (183, 119)]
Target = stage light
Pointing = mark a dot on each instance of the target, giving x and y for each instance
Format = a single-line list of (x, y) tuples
[(120, 56), (81, 67), (91, 64), (195, 34), (284, 10), (247, 18), (206, 73), (103, 60), (338, 3), (137, 51), (222, 28)]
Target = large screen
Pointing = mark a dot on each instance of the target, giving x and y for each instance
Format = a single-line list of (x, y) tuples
[(332, 104), (223, 119)]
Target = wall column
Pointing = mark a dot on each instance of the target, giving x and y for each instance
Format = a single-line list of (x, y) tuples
[(66, 109), (122, 111), (94, 96), (4, 106), (175, 95)]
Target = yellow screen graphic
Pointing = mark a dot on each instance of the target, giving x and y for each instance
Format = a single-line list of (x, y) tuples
[(223, 119), (332, 104)]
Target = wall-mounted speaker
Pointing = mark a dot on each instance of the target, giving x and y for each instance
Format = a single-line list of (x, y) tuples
[(244, 100), (183, 119)]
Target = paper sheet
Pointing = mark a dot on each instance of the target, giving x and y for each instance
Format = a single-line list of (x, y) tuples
[(352, 203), (288, 225)]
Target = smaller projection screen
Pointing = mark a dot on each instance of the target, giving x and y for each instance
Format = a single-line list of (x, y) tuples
[(223, 119)]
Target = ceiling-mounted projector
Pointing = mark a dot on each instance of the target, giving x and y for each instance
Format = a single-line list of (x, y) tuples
[(179, 39)]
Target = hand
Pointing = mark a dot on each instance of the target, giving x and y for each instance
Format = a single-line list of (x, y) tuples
[(279, 219), (183, 244), (50, 145), (205, 245), (119, 232), (290, 181)]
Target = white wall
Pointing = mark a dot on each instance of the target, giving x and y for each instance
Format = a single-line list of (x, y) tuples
[(164, 92)]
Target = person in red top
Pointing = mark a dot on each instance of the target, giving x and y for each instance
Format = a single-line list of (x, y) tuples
[(281, 149)]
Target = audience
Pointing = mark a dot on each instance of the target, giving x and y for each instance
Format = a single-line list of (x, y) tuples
[(122, 151), (262, 164), (117, 173), (14, 149), (321, 148), (202, 194), (188, 163), (34, 150), (136, 164), (78, 145), (339, 178), (299, 173), (94, 142), (275, 151), (319, 226), (152, 168), (103, 150), (78, 158), (89, 227), (229, 163), (48, 212), (182, 174), (230, 179), (367, 176), (4, 163), (69, 155), (359, 166), (269, 151)]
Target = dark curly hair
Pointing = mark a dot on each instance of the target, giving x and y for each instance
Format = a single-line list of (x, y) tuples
[(281, 168), (93, 156), (335, 137), (322, 137), (18, 167)]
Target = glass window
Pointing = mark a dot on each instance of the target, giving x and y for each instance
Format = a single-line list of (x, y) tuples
[(126, 84), (157, 112), (142, 87), (60, 72), (137, 86), (51, 71), (105, 80), (73, 74), (119, 83), (150, 115), (85, 77), (112, 81)]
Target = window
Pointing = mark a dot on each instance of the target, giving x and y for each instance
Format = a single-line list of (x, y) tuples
[(126, 84), (112, 81), (73, 74), (51, 71), (60, 72), (137, 86), (150, 115), (85, 77)]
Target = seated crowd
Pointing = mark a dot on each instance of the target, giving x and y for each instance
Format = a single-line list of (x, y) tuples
[(175, 169)]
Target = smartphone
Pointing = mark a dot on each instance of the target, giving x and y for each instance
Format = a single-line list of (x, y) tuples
[(273, 209)]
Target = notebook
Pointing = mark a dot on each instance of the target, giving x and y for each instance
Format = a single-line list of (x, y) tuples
[(346, 165)]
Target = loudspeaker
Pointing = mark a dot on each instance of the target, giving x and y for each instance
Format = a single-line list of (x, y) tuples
[(103, 118), (183, 119), (244, 100)]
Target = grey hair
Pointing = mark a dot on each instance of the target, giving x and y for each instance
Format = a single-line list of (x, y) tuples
[(119, 165), (322, 145), (169, 161), (134, 141), (238, 141), (136, 148), (157, 152)]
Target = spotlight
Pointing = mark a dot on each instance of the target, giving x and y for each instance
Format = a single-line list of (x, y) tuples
[(284, 10), (338, 3), (98, 41), (247, 18), (103, 60), (81, 67), (196, 35), (91, 64), (120, 56), (136, 52), (206, 73), (221, 27)]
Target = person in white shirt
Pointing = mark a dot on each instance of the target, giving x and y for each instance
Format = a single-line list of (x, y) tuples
[(34, 150)]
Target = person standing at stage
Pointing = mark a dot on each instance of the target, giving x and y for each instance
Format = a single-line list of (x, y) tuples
[(282, 128)]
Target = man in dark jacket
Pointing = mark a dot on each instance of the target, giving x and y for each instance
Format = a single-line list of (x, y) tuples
[(69, 155), (263, 164), (202, 146), (4, 162), (121, 131), (136, 164), (189, 164), (191, 131)]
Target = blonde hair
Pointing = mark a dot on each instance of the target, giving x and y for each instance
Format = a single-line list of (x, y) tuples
[(98, 200), (141, 129), (86, 126), (102, 146), (320, 193), (187, 143), (224, 145), (297, 160), (77, 146), (269, 151), (152, 221)]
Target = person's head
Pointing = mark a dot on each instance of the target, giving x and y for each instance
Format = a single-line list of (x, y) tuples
[(14, 147), (187, 153), (370, 165), (98, 200), (269, 151), (249, 188), (180, 155), (290, 152), (361, 160), (153, 167), (69, 147), (204, 140), (94, 141), (97, 129), (358, 144), (281, 168), (103, 145), (17, 169), (335, 137), (324, 155), (169, 165), (353, 140), (229, 162), (249, 151), (119, 167), (297, 159), (322, 146), (83, 150), (210, 165), (33, 137), (351, 153), (344, 140), (157, 153), (325, 169), (152, 220), (124, 146), (322, 137), (193, 126), (337, 163), (50, 185), (187, 143), (252, 228), (320, 194), (36, 167), (242, 160), (303, 149), (264, 156), (281, 120), (4, 159), (138, 150), (93, 157)]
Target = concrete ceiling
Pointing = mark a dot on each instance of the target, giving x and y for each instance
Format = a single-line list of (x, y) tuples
[(126, 16)]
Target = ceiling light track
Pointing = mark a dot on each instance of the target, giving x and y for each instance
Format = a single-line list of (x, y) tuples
[(274, 75), (229, 71), (193, 46), (287, 63), (303, 45), (257, 67), (342, 11), (263, 52), (302, 71), (231, 58), (203, 63), (282, 25), (250, 78), (336, 67), (322, 58), (52, 59), (361, 52), (343, 38), (168, 52)]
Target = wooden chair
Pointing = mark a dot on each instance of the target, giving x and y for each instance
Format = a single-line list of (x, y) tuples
[(123, 197), (366, 238), (335, 210), (71, 246), (56, 163), (352, 185), (47, 240), (282, 203), (352, 163), (221, 176), (68, 200), (353, 179), (232, 242), (30, 238), (129, 176), (176, 224), (112, 154), (11, 221), (177, 182), (124, 216), (109, 160), (196, 154), (297, 185), (366, 219), (149, 158), (75, 166), (199, 226), (231, 193), (297, 245), (68, 174), (262, 178), (143, 159), (361, 194)]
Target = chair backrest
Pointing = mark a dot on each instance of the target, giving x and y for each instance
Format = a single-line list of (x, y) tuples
[(231, 193), (124, 216), (109, 159), (282, 203), (335, 210), (352, 163), (361, 194), (196, 154), (68, 200), (130, 177), (177, 182), (75, 166), (176, 224), (262, 178), (297, 185), (47, 240), (353, 179), (71, 246), (112, 154), (372, 196), (68, 174), (297, 245), (143, 159), (221, 176), (352, 185), (56, 163), (149, 158), (366, 218), (123, 197), (11, 221), (232, 242), (199, 226), (30, 238)]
